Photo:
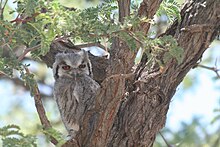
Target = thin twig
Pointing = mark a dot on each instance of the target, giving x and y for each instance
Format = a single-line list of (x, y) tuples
[(2, 9), (1, 4), (21, 57), (216, 70), (131, 34), (168, 145), (1, 12), (4, 5)]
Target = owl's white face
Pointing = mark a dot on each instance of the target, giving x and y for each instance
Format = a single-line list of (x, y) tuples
[(71, 65)]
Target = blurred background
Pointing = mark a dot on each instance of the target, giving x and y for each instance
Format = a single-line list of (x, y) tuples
[(193, 118)]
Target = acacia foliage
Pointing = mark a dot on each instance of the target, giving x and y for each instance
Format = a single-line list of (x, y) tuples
[(12, 136), (41, 22)]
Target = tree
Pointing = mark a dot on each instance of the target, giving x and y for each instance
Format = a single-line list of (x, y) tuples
[(132, 104)]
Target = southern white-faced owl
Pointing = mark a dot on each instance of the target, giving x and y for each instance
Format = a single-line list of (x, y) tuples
[(74, 88)]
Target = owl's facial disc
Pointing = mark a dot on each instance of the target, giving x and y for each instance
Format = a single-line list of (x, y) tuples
[(72, 71)]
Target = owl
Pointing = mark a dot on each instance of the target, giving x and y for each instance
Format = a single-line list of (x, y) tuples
[(74, 88)]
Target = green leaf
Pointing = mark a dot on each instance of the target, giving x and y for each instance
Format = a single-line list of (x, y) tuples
[(128, 40), (164, 49), (171, 9), (11, 136)]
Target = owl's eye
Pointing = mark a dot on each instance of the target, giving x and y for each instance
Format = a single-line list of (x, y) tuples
[(82, 66), (66, 67)]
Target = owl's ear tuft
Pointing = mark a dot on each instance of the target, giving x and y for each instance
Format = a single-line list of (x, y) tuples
[(59, 59), (83, 54)]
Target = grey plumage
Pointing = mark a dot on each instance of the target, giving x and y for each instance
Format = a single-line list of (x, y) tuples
[(74, 88)]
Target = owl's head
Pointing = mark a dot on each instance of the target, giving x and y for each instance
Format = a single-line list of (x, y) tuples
[(72, 64)]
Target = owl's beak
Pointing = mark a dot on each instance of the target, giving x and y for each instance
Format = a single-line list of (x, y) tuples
[(74, 73)]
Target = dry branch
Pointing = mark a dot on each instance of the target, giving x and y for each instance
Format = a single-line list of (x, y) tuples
[(214, 69), (41, 111), (27, 50), (2, 8)]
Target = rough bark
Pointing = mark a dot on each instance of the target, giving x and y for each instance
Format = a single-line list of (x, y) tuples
[(144, 113), (130, 109), (147, 9)]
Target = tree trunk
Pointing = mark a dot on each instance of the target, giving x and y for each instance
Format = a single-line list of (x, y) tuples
[(132, 104)]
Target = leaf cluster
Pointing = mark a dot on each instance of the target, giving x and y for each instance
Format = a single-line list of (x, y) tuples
[(48, 20), (41, 22), (9, 64), (12, 136), (171, 9), (162, 50)]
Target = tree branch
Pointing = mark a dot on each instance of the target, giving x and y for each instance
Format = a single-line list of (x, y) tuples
[(167, 143), (102, 112), (121, 55), (214, 69), (18, 82), (124, 9), (27, 51), (121, 62), (143, 113), (2, 9), (40, 110), (197, 29), (148, 8)]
